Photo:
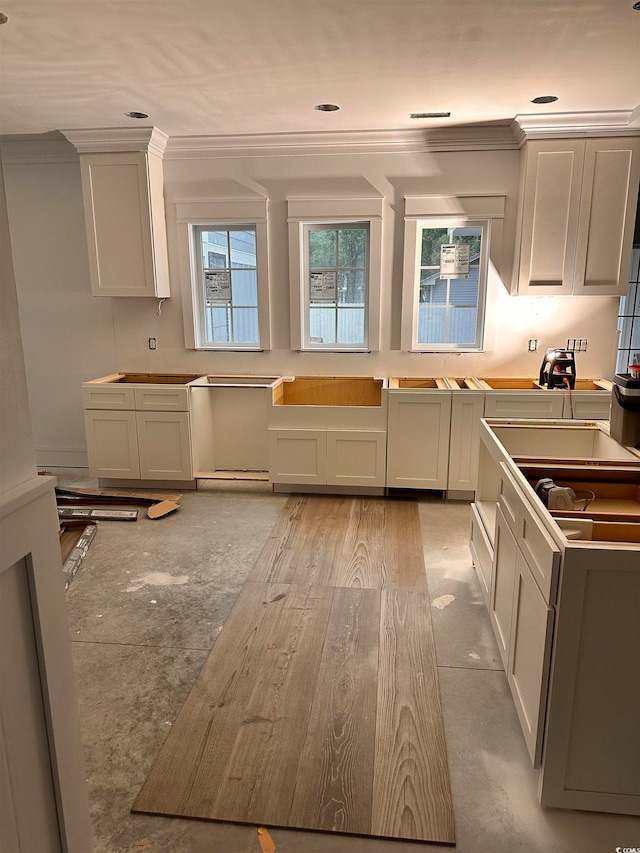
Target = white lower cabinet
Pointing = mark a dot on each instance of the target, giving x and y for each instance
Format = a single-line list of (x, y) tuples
[(419, 425), (563, 606), (327, 457), (146, 440)]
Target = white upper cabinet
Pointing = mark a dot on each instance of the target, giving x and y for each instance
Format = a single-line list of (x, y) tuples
[(577, 211), (123, 193)]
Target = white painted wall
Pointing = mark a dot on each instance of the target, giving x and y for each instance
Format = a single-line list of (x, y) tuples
[(70, 336), (17, 459)]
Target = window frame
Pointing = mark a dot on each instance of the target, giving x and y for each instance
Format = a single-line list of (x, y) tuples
[(411, 281), (332, 213), (629, 317), (191, 217)]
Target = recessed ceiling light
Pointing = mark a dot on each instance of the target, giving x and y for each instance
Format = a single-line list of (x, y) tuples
[(430, 115), (544, 99), (136, 115), (327, 108), (636, 6)]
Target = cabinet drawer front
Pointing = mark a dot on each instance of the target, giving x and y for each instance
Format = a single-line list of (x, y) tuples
[(108, 396), (588, 406), (514, 404), (165, 399), (481, 553), (510, 499), (541, 552)]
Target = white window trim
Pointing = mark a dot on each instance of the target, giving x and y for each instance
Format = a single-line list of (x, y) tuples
[(323, 211), (189, 215), (444, 212)]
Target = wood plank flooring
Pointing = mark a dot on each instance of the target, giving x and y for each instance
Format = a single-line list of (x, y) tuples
[(318, 707)]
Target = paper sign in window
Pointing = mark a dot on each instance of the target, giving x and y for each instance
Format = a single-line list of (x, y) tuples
[(218, 285), (454, 260), (323, 286)]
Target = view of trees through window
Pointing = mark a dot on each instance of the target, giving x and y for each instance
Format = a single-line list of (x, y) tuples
[(448, 307)]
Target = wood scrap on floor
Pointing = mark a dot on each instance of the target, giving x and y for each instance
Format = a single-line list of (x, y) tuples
[(157, 505), (75, 539)]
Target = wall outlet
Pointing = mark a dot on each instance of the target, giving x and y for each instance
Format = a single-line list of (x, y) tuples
[(153, 344), (577, 344), (532, 345)]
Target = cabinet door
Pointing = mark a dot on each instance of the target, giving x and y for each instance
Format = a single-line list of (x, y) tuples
[(550, 208), (164, 445), (466, 410), (502, 582), (112, 444), (298, 456), (523, 404), (607, 216), (481, 553), (530, 656), (418, 439), (126, 258), (356, 457)]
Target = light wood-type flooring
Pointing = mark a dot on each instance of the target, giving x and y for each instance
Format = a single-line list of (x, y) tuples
[(318, 706)]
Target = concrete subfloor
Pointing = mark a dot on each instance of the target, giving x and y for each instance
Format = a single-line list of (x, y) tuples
[(145, 608)]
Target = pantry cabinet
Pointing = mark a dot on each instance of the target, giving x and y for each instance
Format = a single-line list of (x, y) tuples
[(576, 216)]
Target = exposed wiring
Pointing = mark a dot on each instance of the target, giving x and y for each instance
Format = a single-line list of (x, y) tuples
[(568, 387), (160, 301)]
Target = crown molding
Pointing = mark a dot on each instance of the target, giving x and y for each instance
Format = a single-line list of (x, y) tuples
[(22, 149), (472, 138), (567, 125), (104, 140)]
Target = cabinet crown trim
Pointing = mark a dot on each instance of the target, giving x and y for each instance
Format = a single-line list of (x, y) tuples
[(565, 125), (118, 139)]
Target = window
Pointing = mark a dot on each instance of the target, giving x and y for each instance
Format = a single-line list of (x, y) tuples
[(227, 295), (335, 263), (223, 255), (629, 319), (336, 285), (452, 259), (445, 285)]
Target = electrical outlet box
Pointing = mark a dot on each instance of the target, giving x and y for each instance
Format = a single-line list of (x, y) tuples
[(153, 344), (533, 344)]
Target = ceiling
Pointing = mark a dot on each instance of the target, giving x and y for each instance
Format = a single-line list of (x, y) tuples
[(210, 67)]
